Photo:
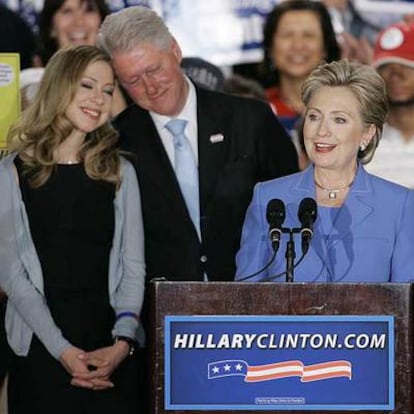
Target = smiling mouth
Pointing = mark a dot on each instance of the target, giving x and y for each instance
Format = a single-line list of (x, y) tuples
[(320, 147), (158, 95), (80, 36), (91, 113), (298, 59)]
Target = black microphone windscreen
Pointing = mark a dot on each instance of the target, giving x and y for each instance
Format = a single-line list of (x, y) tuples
[(308, 210), (275, 212)]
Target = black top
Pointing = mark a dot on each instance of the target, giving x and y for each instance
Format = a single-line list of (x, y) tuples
[(71, 220)]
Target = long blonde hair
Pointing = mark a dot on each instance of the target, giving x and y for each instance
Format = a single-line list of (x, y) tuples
[(44, 126)]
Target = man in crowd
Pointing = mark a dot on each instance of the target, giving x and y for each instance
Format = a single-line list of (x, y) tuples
[(196, 183), (394, 60)]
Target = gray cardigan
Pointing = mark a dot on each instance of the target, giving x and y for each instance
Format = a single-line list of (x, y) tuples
[(21, 276)]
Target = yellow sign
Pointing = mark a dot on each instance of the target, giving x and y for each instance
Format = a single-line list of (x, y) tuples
[(9, 93)]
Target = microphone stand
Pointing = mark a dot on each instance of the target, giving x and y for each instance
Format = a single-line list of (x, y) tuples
[(290, 253)]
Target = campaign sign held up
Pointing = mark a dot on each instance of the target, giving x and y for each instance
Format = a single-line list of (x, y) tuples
[(279, 362)]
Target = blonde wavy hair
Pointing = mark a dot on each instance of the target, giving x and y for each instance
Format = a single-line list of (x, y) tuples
[(43, 126)]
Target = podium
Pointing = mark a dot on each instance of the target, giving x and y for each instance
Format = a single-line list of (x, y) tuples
[(305, 303)]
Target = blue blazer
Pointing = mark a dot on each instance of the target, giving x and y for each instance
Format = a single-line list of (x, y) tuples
[(371, 239)]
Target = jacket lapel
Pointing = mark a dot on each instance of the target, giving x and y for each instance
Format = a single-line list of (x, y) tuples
[(211, 152), (301, 188), (304, 187), (357, 207)]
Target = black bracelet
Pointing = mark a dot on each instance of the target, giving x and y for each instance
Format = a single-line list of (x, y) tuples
[(129, 341)]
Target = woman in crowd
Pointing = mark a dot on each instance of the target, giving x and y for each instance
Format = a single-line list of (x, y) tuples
[(71, 246), (363, 230), (297, 36), (69, 22), (63, 23)]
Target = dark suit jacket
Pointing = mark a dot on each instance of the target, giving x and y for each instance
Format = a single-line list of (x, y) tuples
[(255, 148)]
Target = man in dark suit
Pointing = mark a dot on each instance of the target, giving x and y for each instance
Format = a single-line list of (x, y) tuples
[(236, 143), (233, 143)]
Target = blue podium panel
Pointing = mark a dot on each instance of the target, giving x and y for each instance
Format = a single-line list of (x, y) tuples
[(279, 362)]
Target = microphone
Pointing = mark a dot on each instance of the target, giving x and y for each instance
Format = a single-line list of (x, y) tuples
[(275, 215), (307, 214)]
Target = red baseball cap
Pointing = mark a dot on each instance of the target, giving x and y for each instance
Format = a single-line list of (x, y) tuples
[(395, 44)]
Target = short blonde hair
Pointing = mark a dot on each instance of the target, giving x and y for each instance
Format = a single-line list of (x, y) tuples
[(368, 88)]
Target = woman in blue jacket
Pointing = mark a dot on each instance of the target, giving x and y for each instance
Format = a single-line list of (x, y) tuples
[(71, 246), (364, 227)]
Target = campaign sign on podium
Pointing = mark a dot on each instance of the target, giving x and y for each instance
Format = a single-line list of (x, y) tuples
[(244, 362)]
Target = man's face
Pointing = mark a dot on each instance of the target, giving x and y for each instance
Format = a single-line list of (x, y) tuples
[(399, 80), (152, 77)]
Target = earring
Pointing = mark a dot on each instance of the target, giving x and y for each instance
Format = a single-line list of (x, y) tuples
[(363, 146)]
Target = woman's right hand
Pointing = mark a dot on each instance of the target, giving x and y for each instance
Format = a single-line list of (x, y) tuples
[(70, 360), (100, 373)]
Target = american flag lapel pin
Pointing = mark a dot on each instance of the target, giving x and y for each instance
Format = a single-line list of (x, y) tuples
[(215, 138)]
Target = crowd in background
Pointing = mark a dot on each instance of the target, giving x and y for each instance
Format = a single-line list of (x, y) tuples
[(297, 36)]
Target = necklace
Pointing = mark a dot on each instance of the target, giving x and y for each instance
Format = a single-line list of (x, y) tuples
[(68, 162), (66, 159), (333, 191)]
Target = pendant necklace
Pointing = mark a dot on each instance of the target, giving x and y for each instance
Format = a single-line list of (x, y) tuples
[(68, 162), (332, 192)]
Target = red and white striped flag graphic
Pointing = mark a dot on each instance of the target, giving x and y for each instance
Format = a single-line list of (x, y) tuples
[(278, 370)]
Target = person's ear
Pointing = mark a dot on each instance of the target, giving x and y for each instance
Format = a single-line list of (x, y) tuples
[(176, 50), (367, 137)]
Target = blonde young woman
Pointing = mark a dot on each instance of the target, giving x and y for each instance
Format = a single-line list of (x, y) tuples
[(71, 246)]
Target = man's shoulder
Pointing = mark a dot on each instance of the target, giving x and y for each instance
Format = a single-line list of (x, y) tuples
[(230, 100), (132, 114)]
